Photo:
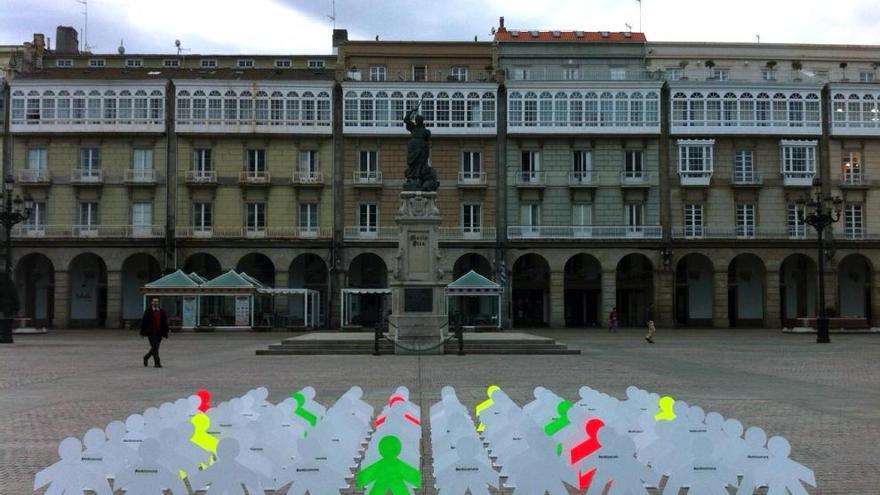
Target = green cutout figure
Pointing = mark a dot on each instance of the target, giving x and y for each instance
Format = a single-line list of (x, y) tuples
[(389, 473), (558, 423), (302, 411)]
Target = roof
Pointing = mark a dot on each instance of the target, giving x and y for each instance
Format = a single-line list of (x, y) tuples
[(473, 282), (176, 280), (513, 35), (197, 278), (228, 280), (162, 74)]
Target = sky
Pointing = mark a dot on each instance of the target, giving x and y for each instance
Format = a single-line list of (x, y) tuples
[(304, 26)]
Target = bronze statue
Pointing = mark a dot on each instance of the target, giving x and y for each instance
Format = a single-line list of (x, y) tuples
[(419, 174)]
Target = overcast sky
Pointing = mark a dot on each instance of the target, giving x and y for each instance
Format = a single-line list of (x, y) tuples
[(303, 26)]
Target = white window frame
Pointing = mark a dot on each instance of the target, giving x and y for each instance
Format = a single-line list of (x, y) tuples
[(693, 220), (97, 62), (142, 163), (315, 64), (368, 170), (634, 218), (797, 159), (35, 224), (530, 218), (674, 73), (797, 229), (471, 219), (203, 162), (309, 166), (202, 216), (720, 74), (370, 213), (634, 164), (530, 169), (520, 73), (42, 159), (471, 166), (257, 211), (64, 62), (208, 63), (617, 74), (744, 167), (696, 158), (255, 162), (423, 67), (582, 166), (582, 219), (745, 220), (141, 218), (377, 73), (134, 63), (867, 76), (88, 216), (854, 221), (308, 219), (768, 74), (171, 63), (89, 163), (570, 73), (851, 170), (245, 63), (283, 63), (458, 73)]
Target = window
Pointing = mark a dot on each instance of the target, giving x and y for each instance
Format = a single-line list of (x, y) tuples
[(256, 218), (570, 73), (530, 166), (674, 74), (353, 74), (315, 64), (377, 73), (97, 62), (530, 216), (64, 62), (633, 164), (419, 72), (308, 165), (89, 163), (768, 74), (36, 222), (368, 167), (854, 222), (582, 166), (745, 220), (134, 62), (141, 219), (471, 218), (202, 162), (308, 219), (520, 73), (37, 159), (245, 63), (256, 163), (744, 167), (142, 163), (695, 158), (283, 63), (171, 63), (471, 168), (796, 226), (798, 159), (581, 215), (693, 220), (851, 167), (617, 74), (208, 63), (634, 216), (368, 220), (458, 74), (721, 74), (202, 217), (88, 215), (866, 76)]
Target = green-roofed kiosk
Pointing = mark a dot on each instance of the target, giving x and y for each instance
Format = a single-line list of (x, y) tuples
[(184, 290), (474, 301)]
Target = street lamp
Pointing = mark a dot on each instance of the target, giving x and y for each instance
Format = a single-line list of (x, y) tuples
[(12, 212), (825, 210)]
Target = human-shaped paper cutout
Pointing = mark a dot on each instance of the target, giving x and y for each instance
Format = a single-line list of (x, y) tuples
[(312, 472), (587, 447), (68, 476), (95, 442), (615, 464), (485, 404), (227, 475), (389, 473), (469, 472), (147, 476), (666, 405), (704, 474), (537, 469), (204, 399)]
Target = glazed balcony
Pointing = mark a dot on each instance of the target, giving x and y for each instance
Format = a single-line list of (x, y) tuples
[(561, 232)]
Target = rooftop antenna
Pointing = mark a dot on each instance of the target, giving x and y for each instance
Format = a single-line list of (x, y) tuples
[(640, 15), (332, 15), (629, 27), (757, 38), (121, 49), (85, 4)]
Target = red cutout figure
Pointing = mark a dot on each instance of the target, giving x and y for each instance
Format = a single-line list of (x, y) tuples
[(586, 448), (205, 397)]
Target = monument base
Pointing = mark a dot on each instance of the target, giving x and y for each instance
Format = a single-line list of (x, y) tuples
[(418, 334)]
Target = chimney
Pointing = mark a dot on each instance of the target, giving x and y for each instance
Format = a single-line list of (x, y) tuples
[(501, 24), (340, 36), (66, 41)]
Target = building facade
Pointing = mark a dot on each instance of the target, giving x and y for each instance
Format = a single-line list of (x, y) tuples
[(581, 170)]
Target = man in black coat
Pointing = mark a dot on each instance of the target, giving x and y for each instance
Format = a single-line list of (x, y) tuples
[(154, 326)]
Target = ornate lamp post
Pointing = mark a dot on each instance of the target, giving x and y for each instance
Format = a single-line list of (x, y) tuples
[(824, 211), (12, 213)]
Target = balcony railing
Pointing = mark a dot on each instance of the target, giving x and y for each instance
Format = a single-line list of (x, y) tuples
[(584, 232), (635, 178), (534, 178), (368, 178), (558, 73), (693, 178), (744, 232), (34, 176), (467, 234), (853, 178), (583, 178), (436, 75), (259, 177), (135, 176), (202, 232), (86, 176), (307, 177), (746, 178), (472, 179), (201, 177), (374, 233), (75, 231), (798, 179)]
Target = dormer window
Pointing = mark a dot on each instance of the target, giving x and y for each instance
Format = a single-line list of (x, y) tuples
[(534, 34), (514, 33), (556, 34), (579, 34), (604, 34)]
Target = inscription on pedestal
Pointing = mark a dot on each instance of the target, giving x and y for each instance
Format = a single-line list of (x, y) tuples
[(417, 258), (419, 300)]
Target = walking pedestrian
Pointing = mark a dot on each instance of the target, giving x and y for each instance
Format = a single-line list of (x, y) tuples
[(649, 320), (154, 326), (613, 321)]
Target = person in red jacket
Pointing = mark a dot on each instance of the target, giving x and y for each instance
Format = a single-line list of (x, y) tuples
[(154, 326)]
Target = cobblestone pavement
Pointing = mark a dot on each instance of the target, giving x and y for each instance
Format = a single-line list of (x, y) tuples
[(824, 398)]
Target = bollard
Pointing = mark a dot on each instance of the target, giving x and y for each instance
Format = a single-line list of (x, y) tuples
[(377, 334), (459, 330)]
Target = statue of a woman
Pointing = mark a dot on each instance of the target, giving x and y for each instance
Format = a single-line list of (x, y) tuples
[(419, 175)]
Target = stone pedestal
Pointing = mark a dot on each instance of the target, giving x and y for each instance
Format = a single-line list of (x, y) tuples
[(418, 297)]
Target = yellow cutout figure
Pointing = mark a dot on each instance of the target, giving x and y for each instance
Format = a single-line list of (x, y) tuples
[(201, 422), (666, 413), (486, 403)]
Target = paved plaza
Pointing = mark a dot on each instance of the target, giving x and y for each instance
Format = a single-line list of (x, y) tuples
[(824, 398)]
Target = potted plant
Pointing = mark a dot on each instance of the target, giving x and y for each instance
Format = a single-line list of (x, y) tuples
[(8, 307)]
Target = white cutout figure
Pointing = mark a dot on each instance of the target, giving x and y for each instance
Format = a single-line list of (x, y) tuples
[(93, 456), (538, 469), (117, 455), (733, 447), (311, 472), (68, 476), (704, 474), (177, 453), (782, 475), (147, 476), (756, 457), (470, 472), (134, 431), (615, 462), (227, 476)]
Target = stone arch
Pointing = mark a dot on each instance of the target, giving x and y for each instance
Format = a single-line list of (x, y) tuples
[(797, 288), (87, 276), (367, 271), (472, 261), (583, 291), (531, 290), (203, 264), (259, 266), (635, 288), (694, 289), (35, 279), (307, 271), (746, 291), (855, 277), (137, 270)]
